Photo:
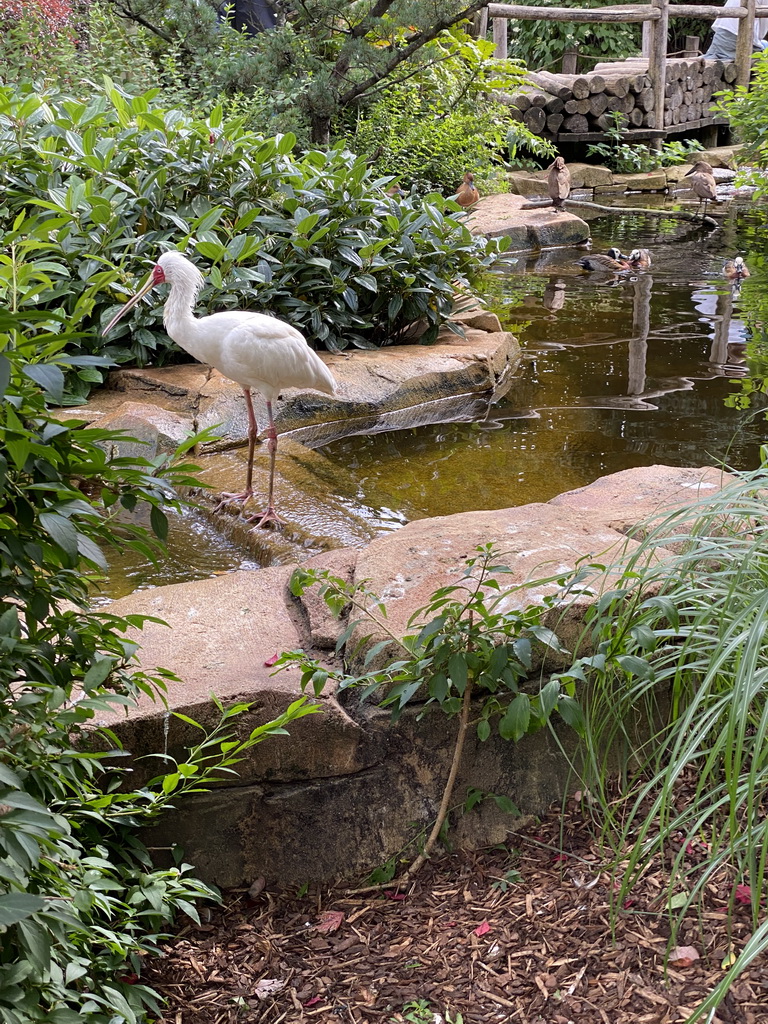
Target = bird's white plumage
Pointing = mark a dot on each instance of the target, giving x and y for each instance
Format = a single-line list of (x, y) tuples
[(253, 349), (256, 351)]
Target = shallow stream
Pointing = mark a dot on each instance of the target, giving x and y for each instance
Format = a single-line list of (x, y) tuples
[(617, 372)]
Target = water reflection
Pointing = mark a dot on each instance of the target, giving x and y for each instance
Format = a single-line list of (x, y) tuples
[(619, 371)]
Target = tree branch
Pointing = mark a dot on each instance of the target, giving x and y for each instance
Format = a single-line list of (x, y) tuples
[(131, 15), (415, 43)]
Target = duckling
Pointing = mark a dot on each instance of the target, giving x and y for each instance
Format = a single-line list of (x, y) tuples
[(558, 183), (735, 269), (702, 184), (612, 263), (639, 259), (467, 194)]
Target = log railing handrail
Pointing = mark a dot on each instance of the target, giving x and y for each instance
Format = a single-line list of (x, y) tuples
[(623, 13)]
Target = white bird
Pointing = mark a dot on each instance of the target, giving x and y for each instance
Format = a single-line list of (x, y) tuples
[(257, 351)]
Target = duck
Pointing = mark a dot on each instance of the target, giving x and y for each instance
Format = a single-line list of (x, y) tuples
[(702, 184), (467, 194), (735, 269), (558, 183), (639, 259), (613, 262)]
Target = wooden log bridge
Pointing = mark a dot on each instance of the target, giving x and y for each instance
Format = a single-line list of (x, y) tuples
[(652, 94)]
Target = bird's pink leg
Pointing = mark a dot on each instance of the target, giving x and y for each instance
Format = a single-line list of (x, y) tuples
[(253, 432), (270, 516)]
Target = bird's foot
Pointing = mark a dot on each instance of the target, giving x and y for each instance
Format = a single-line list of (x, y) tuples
[(268, 518), (228, 498)]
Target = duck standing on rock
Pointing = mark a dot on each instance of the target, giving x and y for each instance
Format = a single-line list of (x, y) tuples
[(558, 183), (255, 350), (611, 263), (702, 184), (467, 194), (735, 269)]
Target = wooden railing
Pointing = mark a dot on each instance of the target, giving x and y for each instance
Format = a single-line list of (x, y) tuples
[(655, 20)]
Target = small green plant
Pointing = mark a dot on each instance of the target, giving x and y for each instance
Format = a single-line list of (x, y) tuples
[(467, 647), (636, 158), (509, 878)]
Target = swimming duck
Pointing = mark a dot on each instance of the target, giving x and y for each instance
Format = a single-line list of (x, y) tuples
[(702, 184), (558, 183), (639, 259), (611, 263), (467, 194), (735, 269)]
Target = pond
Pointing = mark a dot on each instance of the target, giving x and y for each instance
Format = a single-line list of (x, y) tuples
[(617, 372)]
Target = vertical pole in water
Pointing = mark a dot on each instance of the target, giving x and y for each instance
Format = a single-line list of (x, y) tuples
[(500, 37), (657, 64), (745, 44)]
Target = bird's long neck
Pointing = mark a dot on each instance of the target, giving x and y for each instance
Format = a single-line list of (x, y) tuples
[(178, 318)]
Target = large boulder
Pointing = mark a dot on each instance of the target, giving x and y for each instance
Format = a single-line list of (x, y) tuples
[(528, 228), (340, 794)]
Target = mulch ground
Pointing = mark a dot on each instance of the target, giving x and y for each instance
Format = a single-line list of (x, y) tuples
[(520, 934)]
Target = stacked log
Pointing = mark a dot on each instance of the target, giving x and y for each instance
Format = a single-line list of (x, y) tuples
[(549, 103)]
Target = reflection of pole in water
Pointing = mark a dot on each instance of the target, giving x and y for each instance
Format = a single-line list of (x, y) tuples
[(721, 321), (638, 344), (554, 294)]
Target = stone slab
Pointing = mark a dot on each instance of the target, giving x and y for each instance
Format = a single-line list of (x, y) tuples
[(537, 542), (622, 500), (219, 636), (650, 181), (528, 228)]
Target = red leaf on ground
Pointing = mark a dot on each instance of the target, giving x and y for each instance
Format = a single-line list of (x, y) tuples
[(330, 921), (313, 1001), (271, 661), (560, 857), (628, 902), (129, 979), (743, 894), (684, 956), (482, 929), (392, 895)]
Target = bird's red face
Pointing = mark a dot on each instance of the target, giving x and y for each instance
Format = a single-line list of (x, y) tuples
[(158, 275)]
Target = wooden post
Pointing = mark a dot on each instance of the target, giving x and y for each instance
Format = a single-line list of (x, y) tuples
[(480, 24), (745, 44), (657, 64), (570, 60), (647, 37), (691, 46), (500, 36)]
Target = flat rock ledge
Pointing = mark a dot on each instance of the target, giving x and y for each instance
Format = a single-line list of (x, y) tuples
[(395, 386), (340, 795), (546, 228), (456, 379)]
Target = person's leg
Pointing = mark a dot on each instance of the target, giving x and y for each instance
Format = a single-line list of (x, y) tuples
[(723, 45)]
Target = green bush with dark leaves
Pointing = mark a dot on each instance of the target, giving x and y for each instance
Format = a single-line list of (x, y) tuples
[(93, 191), (81, 903)]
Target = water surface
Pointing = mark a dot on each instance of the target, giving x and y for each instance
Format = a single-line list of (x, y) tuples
[(617, 372)]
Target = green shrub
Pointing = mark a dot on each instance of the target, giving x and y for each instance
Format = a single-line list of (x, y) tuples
[(628, 158), (747, 110), (92, 190), (427, 131), (81, 903), (541, 44)]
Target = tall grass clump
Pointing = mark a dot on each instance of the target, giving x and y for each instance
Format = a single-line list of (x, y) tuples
[(676, 713)]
